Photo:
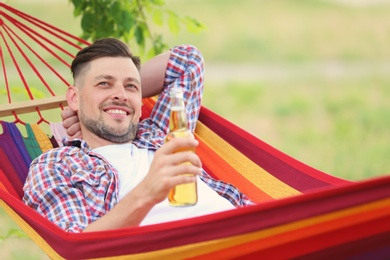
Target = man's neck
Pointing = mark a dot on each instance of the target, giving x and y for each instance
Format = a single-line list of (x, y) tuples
[(95, 141)]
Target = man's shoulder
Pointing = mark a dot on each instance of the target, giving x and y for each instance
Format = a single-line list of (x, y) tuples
[(57, 154)]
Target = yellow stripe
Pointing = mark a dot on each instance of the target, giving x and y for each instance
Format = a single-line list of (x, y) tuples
[(198, 249), (42, 139), (30, 232), (247, 168)]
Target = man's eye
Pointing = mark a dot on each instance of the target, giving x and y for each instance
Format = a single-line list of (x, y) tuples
[(131, 86), (103, 83)]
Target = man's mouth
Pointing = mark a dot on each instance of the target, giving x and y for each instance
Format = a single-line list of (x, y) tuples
[(117, 112)]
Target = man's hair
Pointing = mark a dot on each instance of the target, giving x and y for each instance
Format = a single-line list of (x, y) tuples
[(107, 47)]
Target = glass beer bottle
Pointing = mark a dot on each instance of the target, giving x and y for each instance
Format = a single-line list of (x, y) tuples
[(184, 194)]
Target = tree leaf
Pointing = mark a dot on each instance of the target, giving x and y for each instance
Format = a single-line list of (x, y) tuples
[(173, 23), (158, 2), (139, 35), (127, 21), (158, 17), (88, 22), (193, 26), (115, 8), (16, 233)]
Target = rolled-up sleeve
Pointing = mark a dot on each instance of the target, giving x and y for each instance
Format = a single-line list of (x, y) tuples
[(68, 189), (185, 69)]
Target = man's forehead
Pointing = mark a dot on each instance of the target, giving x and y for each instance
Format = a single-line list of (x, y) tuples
[(112, 77), (114, 66)]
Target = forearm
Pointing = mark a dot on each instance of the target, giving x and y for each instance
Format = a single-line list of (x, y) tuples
[(153, 74), (129, 212)]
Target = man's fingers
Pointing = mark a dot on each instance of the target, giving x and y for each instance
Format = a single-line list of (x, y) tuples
[(179, 144), (70, 121), (74, 130), (182, 179), (184, 157), (66, 113)]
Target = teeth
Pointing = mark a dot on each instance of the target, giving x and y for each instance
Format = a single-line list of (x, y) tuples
[(116, 111)]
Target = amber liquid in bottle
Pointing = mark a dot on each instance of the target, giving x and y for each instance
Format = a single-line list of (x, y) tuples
[(182, 195)]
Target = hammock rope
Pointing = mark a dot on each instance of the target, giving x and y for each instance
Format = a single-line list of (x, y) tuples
[(4, 70), (42, 59), (46, 27), (19, 30)]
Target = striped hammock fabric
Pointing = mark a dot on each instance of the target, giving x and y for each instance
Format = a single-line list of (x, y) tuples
[(300, 212)]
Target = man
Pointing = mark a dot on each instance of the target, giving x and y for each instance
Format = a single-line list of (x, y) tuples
[(120, 172)]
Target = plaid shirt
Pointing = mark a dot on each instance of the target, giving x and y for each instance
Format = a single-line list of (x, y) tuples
[(72, 186)]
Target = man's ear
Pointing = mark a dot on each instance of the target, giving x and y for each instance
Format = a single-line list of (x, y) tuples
[(72, 97)]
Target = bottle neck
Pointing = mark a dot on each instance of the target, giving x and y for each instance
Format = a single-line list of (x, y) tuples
[(178, 119), (178, 116)]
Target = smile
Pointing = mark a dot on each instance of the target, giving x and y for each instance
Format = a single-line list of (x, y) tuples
[(116, 111)]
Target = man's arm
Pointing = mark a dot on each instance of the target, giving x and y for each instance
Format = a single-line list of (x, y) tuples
[(153, 74), (185, 70), (49, 190)]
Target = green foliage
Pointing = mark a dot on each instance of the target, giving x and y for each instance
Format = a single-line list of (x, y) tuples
[(20, 93), (129, 20), (13, 232)]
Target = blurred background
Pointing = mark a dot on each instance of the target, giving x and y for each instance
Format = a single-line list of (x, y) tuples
[(309, 77)]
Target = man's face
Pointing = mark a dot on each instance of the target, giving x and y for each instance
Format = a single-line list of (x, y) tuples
[(110, 99)]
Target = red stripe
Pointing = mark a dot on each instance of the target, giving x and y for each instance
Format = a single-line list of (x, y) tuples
[(6, 184), (11, 174), (372, 247), (148, 104)]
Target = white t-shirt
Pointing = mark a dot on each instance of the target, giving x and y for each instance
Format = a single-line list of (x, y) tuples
[(133, 165)]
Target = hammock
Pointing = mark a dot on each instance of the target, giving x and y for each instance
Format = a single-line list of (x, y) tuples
[(300, 212)]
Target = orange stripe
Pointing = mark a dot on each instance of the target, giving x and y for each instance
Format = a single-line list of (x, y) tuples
[(222, 170), (3, 187), (264, 181)]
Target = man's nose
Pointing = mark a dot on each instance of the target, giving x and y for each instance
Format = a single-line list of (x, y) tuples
[(120, 93)]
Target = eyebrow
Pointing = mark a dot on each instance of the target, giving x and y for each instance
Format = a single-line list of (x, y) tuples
[(109, 77)]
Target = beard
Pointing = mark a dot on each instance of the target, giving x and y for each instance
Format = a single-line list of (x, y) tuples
[(107, 132)]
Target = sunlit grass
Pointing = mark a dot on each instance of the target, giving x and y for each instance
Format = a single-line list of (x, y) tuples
[(340, 128)]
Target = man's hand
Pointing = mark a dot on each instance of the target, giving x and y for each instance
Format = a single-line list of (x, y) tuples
[(167, 169), (71, 123)]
